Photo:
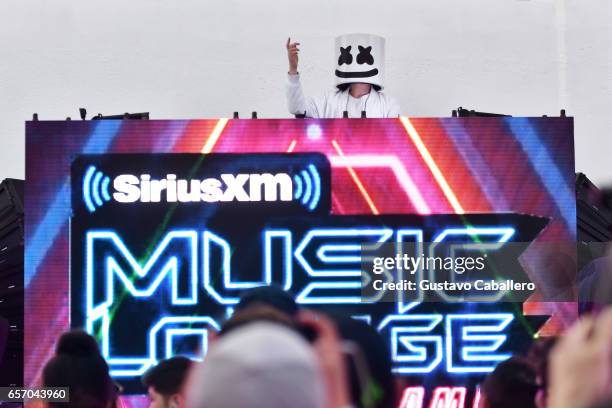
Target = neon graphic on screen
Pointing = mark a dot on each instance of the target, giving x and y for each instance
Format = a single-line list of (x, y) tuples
[(422, 166), (328, 259), (163, 265)]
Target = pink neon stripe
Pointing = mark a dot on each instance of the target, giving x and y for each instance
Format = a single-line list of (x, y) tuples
[(408, 185)]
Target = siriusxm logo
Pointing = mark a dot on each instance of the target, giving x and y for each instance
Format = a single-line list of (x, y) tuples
[(95, 188), (303, 187), (308, 187)]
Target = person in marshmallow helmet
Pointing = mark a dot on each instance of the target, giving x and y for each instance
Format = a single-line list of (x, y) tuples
[(359, 81)]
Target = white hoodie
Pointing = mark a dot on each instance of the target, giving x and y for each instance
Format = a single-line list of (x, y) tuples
[(333, 104)]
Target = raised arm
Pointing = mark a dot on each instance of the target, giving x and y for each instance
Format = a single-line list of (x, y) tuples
[(297, 102)]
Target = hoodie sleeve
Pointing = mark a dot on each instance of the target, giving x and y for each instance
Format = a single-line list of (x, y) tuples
[(297, 102), (393, 108)]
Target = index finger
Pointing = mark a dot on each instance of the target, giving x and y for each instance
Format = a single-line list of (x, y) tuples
[(603, 330), (288, 41), (579, 332)]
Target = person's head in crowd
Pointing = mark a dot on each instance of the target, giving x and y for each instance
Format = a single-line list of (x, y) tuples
[(256, 313), (368, 361), (165, 382), (377, 389), (261, 364), (538, 357), (512, 384), (78, 365), (580, 370), (272, 296)]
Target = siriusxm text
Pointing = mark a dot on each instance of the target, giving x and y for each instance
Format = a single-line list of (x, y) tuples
[(255, 187)]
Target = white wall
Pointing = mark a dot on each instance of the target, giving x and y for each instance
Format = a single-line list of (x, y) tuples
[(197, 59)]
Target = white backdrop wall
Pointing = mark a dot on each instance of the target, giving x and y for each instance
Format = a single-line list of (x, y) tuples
[(203, 59)]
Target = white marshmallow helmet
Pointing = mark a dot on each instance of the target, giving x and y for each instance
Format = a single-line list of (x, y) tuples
[(360, 58)]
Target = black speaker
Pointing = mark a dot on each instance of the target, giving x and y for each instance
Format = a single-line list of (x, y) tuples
[(11, 283), (594, 217), (594, 227)]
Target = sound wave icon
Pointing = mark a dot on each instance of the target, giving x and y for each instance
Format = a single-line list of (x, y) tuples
[(308, 187), (95, 188)]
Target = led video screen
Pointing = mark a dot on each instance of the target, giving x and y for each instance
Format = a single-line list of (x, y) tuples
[(145, 233)]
